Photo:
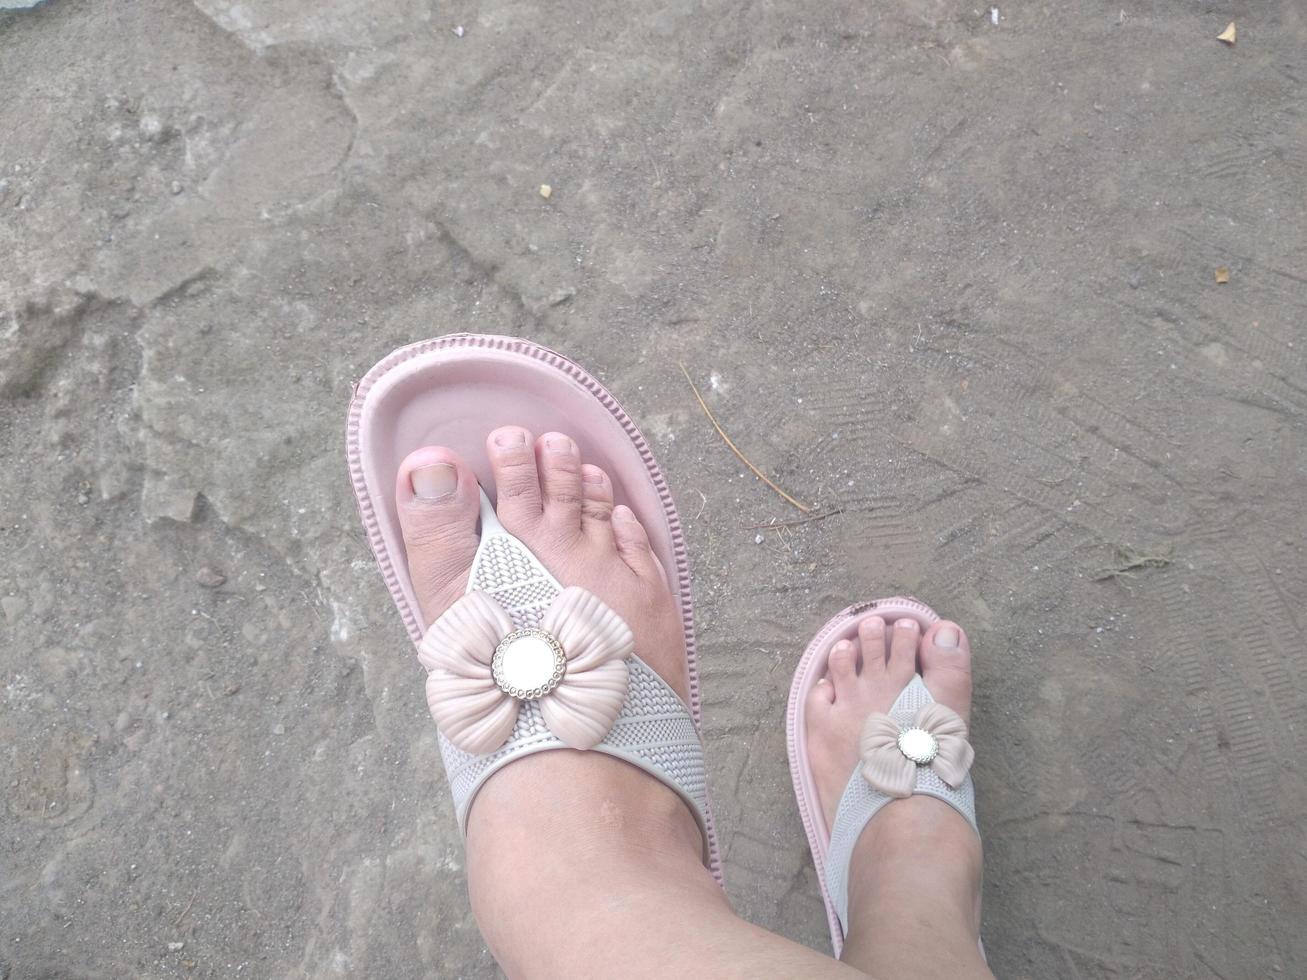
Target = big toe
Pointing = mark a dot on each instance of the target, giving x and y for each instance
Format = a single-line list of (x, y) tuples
[(437, 496), (946, 666)]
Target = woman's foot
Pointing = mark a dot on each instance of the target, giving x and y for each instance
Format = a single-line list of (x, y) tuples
[(866, 675), (560, 508), (914, 880), (580, 865)]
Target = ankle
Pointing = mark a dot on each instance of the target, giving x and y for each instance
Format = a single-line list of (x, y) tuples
[(586, 800), (577, 844), (564, 810), (920, 854), (922, 823)]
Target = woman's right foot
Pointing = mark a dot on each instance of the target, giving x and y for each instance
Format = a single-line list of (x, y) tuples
[(555, 836), (560, 508)]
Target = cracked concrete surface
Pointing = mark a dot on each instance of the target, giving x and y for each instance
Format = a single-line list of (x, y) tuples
[(954, 279)]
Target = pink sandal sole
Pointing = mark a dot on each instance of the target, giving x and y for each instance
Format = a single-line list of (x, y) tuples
[(843, 626), (452, 391)]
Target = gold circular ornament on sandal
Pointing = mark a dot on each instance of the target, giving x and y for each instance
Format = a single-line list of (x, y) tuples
[(918, 745), (528, 664)]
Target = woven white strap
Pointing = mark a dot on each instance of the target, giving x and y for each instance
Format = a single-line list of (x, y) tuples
[(860, 803), (654, 730)]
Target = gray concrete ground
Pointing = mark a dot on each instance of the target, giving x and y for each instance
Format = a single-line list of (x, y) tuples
[(951, 277)]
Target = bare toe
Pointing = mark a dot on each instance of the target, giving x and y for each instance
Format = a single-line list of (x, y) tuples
[(842, 668), (822, 694), (902, 662), (633, 545), (559, 463), (871, 639), (946, 666), (596, 502), (517, 483), (437, 497)]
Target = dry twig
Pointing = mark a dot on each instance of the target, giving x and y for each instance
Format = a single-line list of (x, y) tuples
[(733, 448), (768, 525), (177, 921), (1129, 562)]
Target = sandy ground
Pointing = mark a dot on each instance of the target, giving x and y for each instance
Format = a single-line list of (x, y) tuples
[(954, 279)]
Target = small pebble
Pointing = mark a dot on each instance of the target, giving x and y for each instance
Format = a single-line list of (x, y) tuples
[(210, 578), (176, 187), (758, 538), (176, 947)]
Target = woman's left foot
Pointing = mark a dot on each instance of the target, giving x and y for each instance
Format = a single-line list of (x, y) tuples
[(914, 875), (865, 675)]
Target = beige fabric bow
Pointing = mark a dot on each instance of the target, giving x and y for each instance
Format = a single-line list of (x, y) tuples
[(473, 712), (891, 772)]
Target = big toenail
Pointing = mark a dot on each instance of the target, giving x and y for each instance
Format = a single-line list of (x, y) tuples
[(947, 638), (510, 438), (558, 444), (434, 480)]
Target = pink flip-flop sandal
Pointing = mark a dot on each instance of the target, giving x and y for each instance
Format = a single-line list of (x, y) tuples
[(894, 764), (593, 692)]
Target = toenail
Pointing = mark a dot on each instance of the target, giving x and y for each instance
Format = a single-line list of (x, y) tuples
[(623, 514), (947, 638), (588, 476), (844, 646), (510, 438), (559, 444), (434, 480), (906, 624)]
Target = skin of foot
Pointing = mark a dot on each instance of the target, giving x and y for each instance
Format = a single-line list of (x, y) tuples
[(867, 674), (914, 884), (578, 864), (560, 508)]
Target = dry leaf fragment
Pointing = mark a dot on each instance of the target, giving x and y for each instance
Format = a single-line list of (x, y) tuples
[(546, 191), (1228, 35), (1222, 274)]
